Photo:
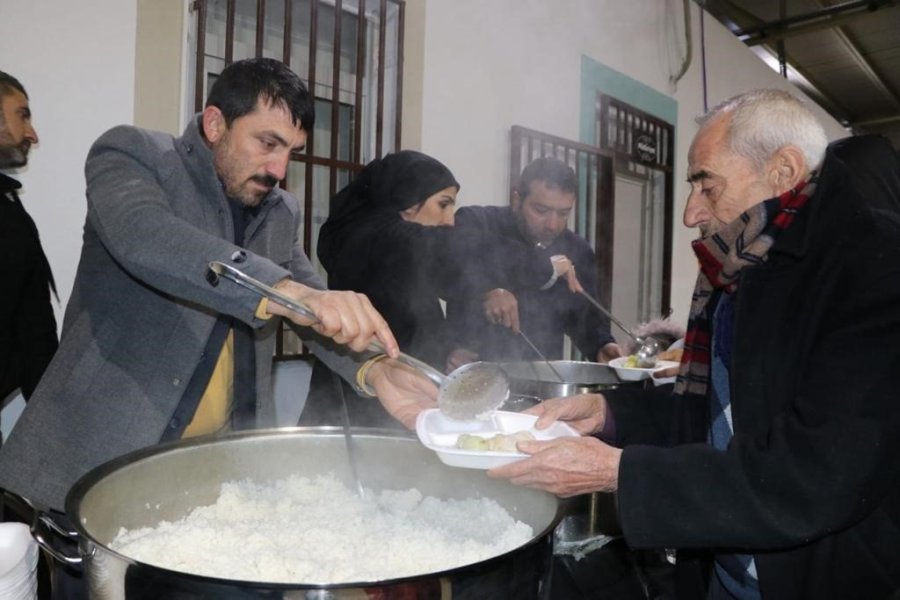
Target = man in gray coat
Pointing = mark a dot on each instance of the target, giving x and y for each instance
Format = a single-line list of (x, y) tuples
[(153, 346)]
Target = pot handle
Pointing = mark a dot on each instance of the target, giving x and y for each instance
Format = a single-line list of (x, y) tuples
[(53, 528), (44, 528)]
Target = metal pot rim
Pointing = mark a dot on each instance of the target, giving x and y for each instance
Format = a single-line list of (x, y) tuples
[(572, 371)]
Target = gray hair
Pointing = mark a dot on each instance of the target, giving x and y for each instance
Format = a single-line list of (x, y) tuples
[(764, 121)]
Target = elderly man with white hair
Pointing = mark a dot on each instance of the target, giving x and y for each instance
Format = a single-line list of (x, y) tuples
[(774, 467)]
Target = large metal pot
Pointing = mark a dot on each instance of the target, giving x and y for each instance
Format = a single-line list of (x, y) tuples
[(166, 482), (538, 380)]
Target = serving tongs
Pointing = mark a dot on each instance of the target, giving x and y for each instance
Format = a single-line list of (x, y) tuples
[(469, 392)]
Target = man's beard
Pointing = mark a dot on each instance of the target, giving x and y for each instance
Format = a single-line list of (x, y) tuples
[(253, 197), (537, 238), (14, 156)]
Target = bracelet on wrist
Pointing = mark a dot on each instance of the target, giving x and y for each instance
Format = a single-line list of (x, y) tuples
[(363, 371)]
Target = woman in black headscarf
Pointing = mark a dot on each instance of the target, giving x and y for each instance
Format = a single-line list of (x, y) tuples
[(389, 235)]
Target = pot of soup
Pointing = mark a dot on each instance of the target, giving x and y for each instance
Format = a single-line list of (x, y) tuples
[(140, 519)]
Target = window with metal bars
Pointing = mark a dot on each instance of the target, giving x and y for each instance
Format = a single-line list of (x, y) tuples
[(349, 53)]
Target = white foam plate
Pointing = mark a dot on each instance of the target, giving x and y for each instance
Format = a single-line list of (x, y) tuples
[(635, 373), (439, 433)]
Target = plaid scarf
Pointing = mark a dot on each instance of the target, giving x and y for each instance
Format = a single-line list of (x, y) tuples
[(745, 241)]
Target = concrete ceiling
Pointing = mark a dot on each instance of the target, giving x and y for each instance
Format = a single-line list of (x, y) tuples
[(844, 54)]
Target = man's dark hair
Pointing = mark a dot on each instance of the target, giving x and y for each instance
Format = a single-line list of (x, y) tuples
[(554, 173), (243, 83), (8, 84)]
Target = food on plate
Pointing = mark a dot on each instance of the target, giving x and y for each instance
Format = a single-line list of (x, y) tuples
[(467, 441), (631, 361), (501, 442)]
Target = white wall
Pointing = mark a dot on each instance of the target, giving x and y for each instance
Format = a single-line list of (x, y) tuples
[(491, 65), (76, 60)]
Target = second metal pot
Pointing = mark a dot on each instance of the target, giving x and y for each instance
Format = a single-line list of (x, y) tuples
[(536, 379)]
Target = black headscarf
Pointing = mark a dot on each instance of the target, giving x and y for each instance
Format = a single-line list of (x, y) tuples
[(383, 189)]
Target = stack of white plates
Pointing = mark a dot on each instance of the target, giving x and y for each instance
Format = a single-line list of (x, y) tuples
[(18, 562)]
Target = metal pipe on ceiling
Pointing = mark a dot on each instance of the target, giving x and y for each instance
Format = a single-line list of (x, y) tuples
[(826, 18), (877, 121)]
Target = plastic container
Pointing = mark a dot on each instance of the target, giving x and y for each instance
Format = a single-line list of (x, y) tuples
[(18, 562)]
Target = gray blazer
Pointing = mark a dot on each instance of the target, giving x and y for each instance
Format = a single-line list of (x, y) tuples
[(142, 308)]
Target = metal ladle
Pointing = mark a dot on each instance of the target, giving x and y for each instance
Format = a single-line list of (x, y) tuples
[(541, 355), (467, 393), (349, 442), (648, 347)]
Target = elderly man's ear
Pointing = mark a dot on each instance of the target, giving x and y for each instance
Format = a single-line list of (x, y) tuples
[(787, 168)]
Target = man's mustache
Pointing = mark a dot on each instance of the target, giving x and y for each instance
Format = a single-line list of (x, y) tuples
[(266, 180)]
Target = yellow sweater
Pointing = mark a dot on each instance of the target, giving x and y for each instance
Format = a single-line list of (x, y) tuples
[(214, 410)]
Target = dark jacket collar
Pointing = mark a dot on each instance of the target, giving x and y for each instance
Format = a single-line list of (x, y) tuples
[(858, 173), (197, 157), (8, 184)]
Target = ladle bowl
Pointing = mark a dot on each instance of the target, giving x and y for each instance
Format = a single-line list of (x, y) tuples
[(473, 390), (647, 352)]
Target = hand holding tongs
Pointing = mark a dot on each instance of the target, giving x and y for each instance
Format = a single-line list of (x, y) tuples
[(241, 278)]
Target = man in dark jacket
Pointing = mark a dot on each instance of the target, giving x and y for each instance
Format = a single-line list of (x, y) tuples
[(774, 469), (537, 256), (27, 325)]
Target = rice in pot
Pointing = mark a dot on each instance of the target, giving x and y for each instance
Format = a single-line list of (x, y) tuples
[(316, 530)]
